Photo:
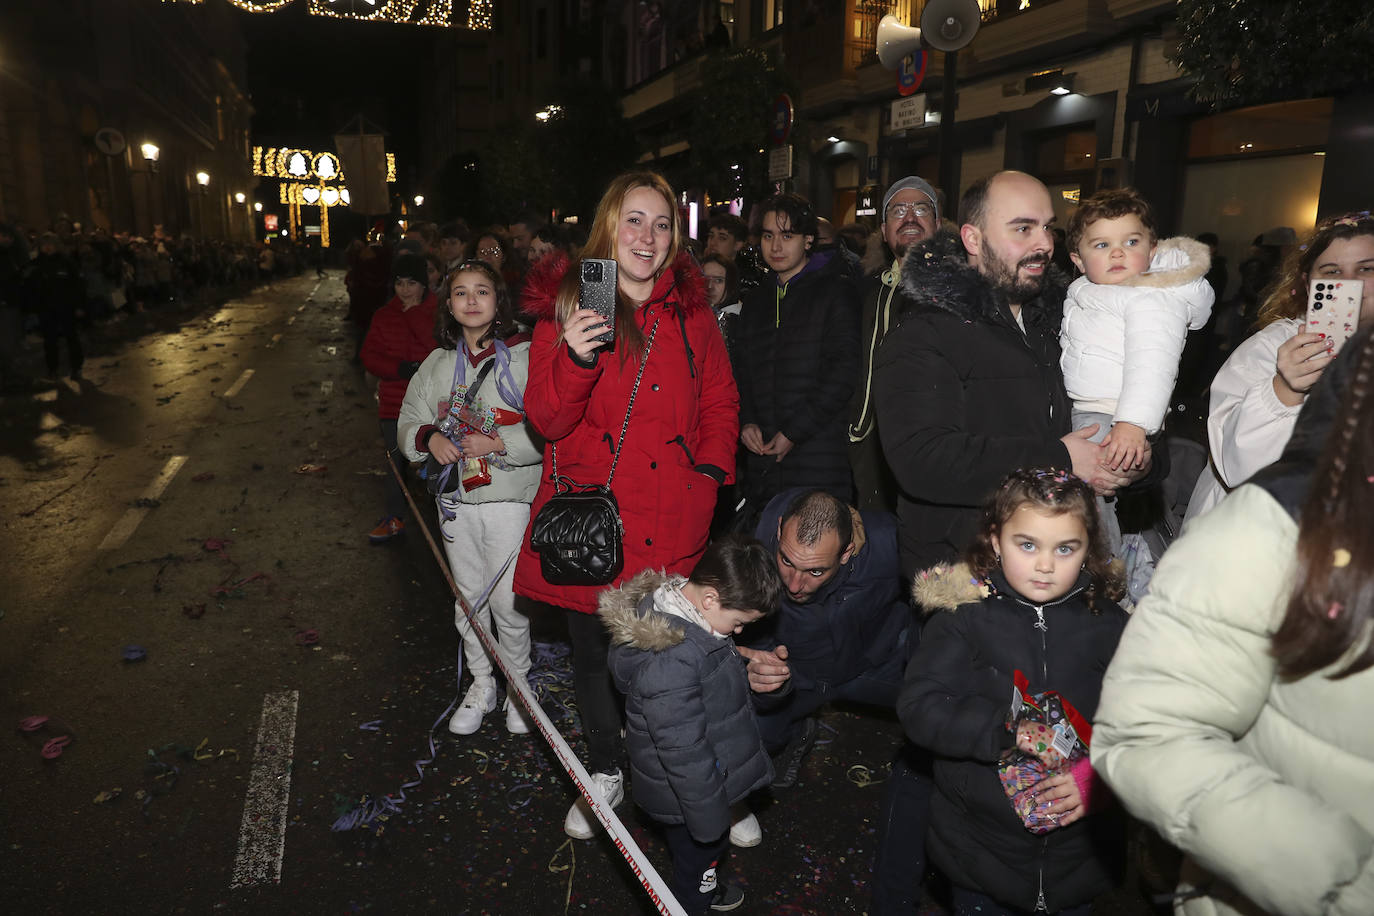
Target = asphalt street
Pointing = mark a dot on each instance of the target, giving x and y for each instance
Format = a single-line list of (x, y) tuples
[(190, 600)]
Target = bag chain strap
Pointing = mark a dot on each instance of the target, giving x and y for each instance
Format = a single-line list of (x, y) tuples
[(634, 392)]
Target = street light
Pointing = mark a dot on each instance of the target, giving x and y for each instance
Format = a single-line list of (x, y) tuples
[(257, 206), (239, 197), (202, 178), (419, 200), (150, 151)]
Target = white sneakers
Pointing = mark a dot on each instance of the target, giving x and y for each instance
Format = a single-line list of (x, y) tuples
[(517, 720), (611, 789), (477, 702), (744, 827), (480, 700)]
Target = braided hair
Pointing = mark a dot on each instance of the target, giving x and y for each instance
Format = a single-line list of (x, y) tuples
[(1055, 491), (1331, 609)]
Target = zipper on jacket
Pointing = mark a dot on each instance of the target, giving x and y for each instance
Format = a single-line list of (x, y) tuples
[(1044, 628), (1040, 905)]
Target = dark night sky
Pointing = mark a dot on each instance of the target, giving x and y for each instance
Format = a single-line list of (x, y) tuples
[(310, 75)]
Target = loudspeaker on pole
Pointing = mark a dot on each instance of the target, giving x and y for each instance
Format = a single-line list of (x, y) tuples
[(896, 41), (948, 25)]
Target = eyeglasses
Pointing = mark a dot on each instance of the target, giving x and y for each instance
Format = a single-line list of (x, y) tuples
[(900, 211)]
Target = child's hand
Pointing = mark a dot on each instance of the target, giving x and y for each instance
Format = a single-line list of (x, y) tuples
[(444, 451), (1035, 738), (476, 445), (1058, 797), (1124, 447)]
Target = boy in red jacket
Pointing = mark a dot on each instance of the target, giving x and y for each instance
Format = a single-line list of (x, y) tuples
[(400, 337)]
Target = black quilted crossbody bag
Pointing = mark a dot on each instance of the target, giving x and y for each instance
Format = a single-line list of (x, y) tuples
[(578, 533)]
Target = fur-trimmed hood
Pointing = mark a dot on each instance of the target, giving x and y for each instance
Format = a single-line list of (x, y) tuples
[(682, 285), (937, 273), (945, 587), (619, 610), (1176, 261)]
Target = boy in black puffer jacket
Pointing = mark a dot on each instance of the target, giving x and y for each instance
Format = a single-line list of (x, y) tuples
[(690, 731)]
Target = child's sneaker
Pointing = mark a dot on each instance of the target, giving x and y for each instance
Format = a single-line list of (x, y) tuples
[(517, 721), (728, 897), (479, 700)]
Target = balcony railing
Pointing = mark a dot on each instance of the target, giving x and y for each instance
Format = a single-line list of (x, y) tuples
[(861, 40), (997, 10)]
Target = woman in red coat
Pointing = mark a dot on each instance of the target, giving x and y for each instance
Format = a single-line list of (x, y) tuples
[(400, 337), (680, 445)]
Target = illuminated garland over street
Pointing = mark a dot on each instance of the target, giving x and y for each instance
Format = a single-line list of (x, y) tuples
[(431, 12), (295, 167)]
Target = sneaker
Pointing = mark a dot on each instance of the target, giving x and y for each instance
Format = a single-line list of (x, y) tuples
[(787, 764), (517, 720), (610, 787), (479, 700), (745, 830), (728, 897), (386, 529)]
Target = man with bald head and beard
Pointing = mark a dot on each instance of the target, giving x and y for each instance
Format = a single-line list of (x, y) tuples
[(911, 214), (968, 385)]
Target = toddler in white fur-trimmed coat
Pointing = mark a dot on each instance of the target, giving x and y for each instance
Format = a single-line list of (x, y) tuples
[(1126, 321)]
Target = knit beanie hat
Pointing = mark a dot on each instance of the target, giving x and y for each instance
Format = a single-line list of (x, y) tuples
[(911, 183), (410, 267)]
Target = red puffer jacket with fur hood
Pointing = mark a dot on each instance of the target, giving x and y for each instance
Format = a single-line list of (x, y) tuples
[(680, 446)]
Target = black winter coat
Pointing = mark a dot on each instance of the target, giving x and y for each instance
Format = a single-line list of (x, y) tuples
[(690, 730), (883, 300), (852, 624), (955, 703), (54, 286), (964, 396), (796, 360)]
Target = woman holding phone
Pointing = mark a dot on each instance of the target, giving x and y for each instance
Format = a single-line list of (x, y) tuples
[(679, 446), (1257, 394)]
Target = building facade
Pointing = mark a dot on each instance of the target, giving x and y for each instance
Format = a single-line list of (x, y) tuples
[(1081, 93), (109, 111)]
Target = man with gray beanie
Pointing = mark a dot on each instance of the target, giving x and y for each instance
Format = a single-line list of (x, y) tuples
[(911, 214)]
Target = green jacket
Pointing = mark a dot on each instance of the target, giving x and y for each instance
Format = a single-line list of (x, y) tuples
[(1267, 786)]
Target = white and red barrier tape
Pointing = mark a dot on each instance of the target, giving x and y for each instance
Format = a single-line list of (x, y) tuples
[(639, 863)]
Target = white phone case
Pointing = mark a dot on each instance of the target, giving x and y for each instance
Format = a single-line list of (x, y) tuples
[(1333, 309)]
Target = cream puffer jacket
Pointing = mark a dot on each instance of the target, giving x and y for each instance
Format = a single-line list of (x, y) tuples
[(1121, 344), (1266, 785)]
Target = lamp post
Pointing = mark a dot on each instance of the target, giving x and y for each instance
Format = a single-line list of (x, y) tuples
[(150, 154), (203, 180)]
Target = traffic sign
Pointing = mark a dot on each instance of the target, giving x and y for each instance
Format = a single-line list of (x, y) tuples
[(781, 127), (911, 71), (780, 163)]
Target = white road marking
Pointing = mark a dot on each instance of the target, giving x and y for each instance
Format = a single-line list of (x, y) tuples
[(332, 351), (262, 833), (128, 522), (327, 387), (301, 308), (290, 321), (238, 385), (273, 342)]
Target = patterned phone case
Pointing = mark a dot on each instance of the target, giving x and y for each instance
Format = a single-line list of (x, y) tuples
[(1333, 309)]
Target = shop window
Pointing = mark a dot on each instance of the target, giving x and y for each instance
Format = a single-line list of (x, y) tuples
[(1283, 127), (772, 14)]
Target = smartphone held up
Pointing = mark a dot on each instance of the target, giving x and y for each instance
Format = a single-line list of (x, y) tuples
[(1333, 310), (596, 291)]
